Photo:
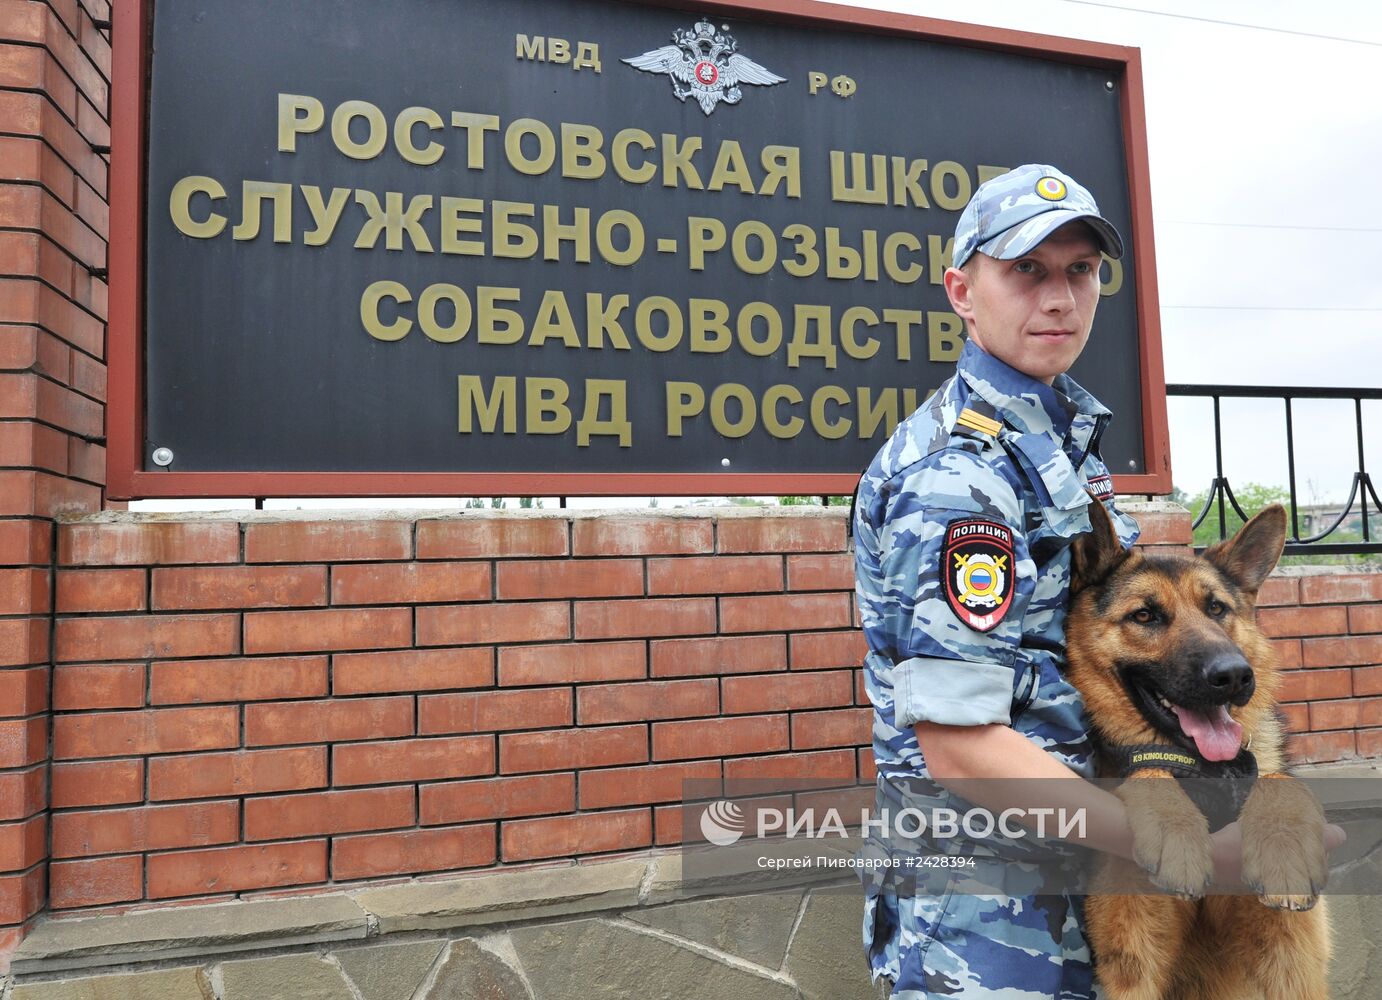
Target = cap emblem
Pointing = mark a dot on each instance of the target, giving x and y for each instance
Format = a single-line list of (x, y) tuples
[(1051, 188)]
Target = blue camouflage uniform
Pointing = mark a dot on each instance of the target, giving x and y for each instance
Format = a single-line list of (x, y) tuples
[(997, 449)]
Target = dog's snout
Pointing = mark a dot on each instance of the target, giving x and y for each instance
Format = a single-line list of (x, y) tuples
[(1229, 674)]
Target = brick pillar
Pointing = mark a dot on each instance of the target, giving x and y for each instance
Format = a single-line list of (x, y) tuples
[(54, 99), (1164, 524)]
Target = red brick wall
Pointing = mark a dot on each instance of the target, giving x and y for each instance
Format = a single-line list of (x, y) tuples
[(252, 706), (1328, 633), (262, 705), (242, 707), (54, 97)]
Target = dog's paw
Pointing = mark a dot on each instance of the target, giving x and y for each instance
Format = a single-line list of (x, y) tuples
[(1284, 860), (1179, 861), (1170, 836), (1287, 869)]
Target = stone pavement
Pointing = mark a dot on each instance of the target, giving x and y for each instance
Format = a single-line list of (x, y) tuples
[(642, 927), (798, 944), (628, 928)]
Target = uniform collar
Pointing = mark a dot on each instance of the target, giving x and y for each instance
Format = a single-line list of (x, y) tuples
[(1031, 406), (1041, 418)]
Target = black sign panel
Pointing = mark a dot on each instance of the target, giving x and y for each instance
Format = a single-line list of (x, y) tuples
[(425, 171)]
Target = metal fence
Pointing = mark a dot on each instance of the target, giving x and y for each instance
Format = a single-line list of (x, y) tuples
[(1362, 491)]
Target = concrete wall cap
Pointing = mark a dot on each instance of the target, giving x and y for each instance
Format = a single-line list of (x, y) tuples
[(486, 514), (171, 932)]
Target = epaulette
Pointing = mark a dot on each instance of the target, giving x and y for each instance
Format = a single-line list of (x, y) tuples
[(979, 420)]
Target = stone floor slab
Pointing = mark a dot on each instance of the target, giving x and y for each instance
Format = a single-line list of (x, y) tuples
[(389, 971), (755, 928), (596, 959), (827, 954), (289, 977), (471, 972)]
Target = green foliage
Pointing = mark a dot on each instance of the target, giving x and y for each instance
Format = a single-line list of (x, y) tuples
[(1252, 497), (499, 503), (812, 501)]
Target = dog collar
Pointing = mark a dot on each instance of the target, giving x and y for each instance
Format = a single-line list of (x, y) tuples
[(1219, 800), (1180, 762)]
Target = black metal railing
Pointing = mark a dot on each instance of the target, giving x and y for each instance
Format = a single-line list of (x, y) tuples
[(1361, 490)]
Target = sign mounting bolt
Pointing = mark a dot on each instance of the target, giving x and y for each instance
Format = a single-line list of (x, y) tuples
[(163, 457), (725, 462)]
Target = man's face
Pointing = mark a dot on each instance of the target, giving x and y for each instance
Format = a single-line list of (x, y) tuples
[(1033, 313)]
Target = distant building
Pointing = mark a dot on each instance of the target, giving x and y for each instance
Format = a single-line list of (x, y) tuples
[(1316, 518)]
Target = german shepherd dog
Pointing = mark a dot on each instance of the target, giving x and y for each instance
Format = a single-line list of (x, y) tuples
[(1179, 681)]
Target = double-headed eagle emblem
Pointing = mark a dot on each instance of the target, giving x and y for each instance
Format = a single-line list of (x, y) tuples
[(709, 65)]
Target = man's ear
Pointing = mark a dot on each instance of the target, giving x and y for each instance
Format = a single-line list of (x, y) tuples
[(957, 287), (1252, 553), (1095, 555)]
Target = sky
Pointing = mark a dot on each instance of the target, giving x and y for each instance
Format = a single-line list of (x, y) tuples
[(1264, 134)]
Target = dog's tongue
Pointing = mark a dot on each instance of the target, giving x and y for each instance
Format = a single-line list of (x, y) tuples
[(1216, 735)]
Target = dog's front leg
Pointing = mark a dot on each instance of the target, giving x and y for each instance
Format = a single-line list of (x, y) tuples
[(1284, 858), (1137, 940), (1170, 835), (1244, 951)]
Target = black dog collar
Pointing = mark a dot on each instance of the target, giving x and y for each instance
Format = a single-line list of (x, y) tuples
[(1180, 762), (1219, 789)]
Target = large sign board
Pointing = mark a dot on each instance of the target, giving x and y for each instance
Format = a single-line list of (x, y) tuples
[(577, 246)]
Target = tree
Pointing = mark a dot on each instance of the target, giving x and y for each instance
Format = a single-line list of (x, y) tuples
[(1252, 497), (500, 503)]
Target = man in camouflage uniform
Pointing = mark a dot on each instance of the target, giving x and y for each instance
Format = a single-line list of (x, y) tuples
[(963, 524)]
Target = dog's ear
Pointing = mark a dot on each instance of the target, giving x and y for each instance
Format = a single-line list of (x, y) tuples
[(1251, 554), (1096, 554)]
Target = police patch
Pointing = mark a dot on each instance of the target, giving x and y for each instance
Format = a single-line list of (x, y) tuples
[(1101, 487), (978, 572)]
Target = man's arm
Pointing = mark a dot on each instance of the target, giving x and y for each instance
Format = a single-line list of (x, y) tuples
[(997, 767)]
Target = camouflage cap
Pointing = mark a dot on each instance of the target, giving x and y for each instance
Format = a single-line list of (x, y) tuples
[(1013, 212)]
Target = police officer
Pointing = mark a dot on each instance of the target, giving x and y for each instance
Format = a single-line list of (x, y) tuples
[(962, 525)]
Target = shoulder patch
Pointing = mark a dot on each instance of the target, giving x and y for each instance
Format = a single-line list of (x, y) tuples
[(1101, 487), (977, 572)]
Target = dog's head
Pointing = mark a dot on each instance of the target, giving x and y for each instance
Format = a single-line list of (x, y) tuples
[(1164, 646)]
